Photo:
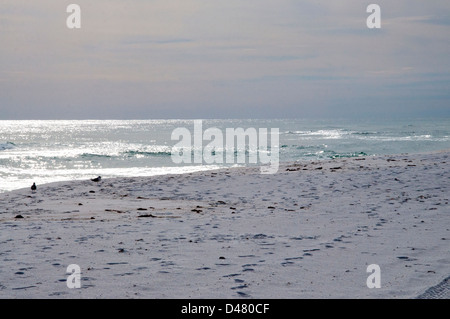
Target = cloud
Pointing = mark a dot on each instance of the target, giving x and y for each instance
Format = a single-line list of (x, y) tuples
[(211, 58), (443, 20)]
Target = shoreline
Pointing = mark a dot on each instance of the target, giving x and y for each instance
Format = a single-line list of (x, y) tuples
[(256, 166), (308, 231)]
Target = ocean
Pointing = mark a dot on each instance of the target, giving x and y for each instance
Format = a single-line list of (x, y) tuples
[(44, 151)]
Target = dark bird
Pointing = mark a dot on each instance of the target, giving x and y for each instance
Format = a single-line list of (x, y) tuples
[(33, 187), (97, 179)]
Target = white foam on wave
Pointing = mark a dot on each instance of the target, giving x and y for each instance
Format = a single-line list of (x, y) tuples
[(325, 134)]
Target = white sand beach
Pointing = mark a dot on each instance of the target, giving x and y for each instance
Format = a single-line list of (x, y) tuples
[(309, 231)]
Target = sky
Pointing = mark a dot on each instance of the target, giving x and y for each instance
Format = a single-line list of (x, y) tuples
[(155, 59)]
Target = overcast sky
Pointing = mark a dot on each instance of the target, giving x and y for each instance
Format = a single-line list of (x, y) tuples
[(144, 59)]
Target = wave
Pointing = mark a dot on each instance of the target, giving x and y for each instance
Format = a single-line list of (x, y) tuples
[(364, 133), (320, 134), (130, 153), (89, 155), (7, 146), (147, 153), (410, 138), (308, 147)]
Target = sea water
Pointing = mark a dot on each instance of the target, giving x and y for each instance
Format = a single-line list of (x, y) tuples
[(50, 151)]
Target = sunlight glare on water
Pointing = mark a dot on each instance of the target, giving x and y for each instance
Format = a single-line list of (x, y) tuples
[(49, 151)]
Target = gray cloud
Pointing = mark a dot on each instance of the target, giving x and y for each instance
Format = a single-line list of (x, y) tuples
[(203, 58)]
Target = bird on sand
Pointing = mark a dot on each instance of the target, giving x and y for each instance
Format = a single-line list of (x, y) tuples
[(97, 179), (33, 187)]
